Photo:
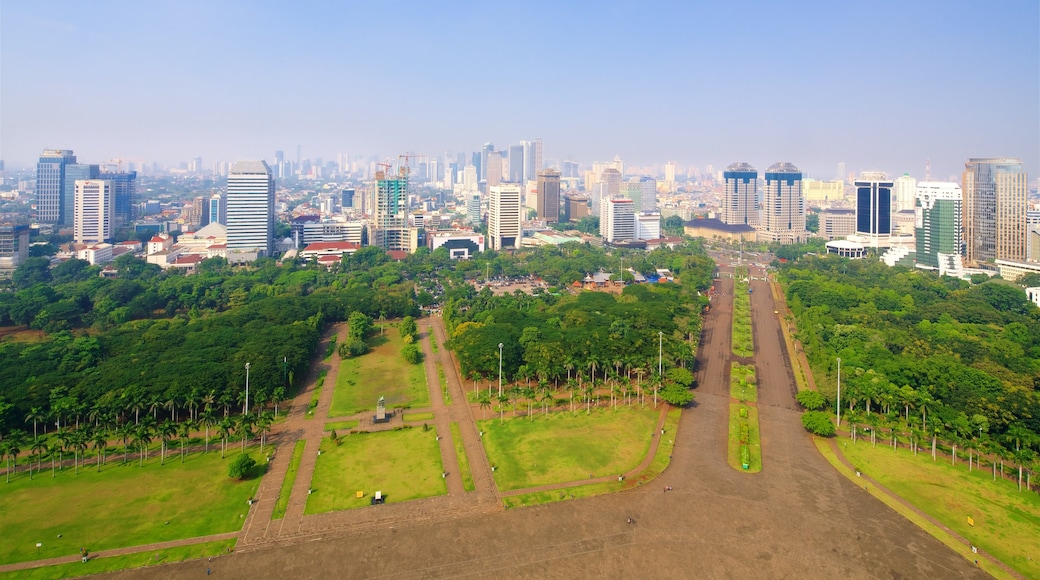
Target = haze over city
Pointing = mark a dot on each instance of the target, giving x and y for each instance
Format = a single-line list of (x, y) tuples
[(879, 86)]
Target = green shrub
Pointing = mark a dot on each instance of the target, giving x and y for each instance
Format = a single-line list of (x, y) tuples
[(240, 466), (818, 423), (811, 400)]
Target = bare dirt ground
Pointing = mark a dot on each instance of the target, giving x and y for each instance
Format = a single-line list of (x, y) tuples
[(797, 518)]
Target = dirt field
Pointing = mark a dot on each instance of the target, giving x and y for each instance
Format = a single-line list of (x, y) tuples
[(798, 518)]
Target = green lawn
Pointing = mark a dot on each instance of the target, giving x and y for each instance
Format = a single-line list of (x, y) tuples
[(418, 417), (124, 505), (1006, 520), (341, 425), (460, 453), (282, 503), (742, 382), (528, 452), (315, 395), (138, 560), (381, 372), (404, 464), (743, 344), (754, 444)]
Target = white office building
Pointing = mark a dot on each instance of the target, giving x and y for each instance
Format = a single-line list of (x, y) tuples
[(617, 221), (504, 215), (250, 208), (94, 210)]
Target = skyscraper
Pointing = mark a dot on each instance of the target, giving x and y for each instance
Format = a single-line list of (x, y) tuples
[(504, 215), (124, 189), (473, 214), (937, 223), (516, 163), (250, 208), (94, 208), (493, 168), (739, 198), (392, 232), (549, 195), (994, 191), (50, 185), (874, 208), (537, 150), (617, 221), (783, 207), (904, 192), (217, 212), (485, 152), (609, 187), (73, 173)]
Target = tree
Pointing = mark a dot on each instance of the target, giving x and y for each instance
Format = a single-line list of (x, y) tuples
[(676, 395), (408, 327), (818, 423), (811, 400), (240, 466), (412, 354), (100, 440), (167, 430), (484, 400)]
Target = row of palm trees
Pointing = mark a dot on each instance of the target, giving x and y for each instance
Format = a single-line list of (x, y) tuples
[(136, 436)]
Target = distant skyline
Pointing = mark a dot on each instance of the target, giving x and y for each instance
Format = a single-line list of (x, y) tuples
[(880, 85)]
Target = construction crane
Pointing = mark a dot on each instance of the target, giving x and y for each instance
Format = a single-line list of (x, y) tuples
[(406, 167)]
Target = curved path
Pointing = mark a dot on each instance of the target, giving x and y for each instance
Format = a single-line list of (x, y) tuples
[(797, 518)]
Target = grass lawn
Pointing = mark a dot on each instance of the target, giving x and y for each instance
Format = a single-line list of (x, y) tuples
[(754, 444), (315, 395), (460, 452), (742, 383), (533, 451), (1006, 520), (341, 425), (417, 417), (444, 384), (138, 560), (381, 372), (282, 503), (404, 464), (124, 505)]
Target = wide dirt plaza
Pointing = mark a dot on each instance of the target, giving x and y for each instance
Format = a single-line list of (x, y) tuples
[(798, 518)]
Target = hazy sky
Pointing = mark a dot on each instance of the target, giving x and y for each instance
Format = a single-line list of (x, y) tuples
[(880, 85)]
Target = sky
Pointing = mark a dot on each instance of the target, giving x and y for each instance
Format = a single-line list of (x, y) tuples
[(882, 85)]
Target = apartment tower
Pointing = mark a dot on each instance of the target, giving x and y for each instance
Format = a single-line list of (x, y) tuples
[(995, 206)]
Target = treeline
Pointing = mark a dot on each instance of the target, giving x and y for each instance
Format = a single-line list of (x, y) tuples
[(940, 356)]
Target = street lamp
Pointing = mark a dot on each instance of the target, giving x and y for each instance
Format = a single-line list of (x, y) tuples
[(245, 405), (837, 412), (500, 370)]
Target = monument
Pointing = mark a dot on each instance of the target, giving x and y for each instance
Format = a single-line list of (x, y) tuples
[(381, 415)]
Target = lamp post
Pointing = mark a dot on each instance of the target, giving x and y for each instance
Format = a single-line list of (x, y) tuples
[(285, 370), (500, 370), (245, 405), (837, 412)]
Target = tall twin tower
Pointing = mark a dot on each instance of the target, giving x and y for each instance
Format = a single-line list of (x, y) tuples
[(782, 214)]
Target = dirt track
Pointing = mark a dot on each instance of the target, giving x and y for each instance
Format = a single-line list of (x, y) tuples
[(798, 518)]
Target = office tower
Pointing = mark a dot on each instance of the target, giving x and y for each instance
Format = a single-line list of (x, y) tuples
[(516, 164), (648, 226), (93, 211), (530, 173), (841, 172), (739, 198), (669, 172), (14, 248), (485, 152), (617, 222), (783, 207), (279, 157), (493, 170), (937, 223), (478, 164), (504, 215), (217, 209), (539, 160), (473, 214), (73, 173), (823, 191), (994, 191), (50, 184), (469, 179), (549, 195), (609, 187), (250, 208), (874, 208), (570, 169), (392, 232), (347, 198), (124, 190), (904, 192), (195, 165)]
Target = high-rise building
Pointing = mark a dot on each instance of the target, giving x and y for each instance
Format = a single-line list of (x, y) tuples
[(904, 191), (94, 210), (538, 152), (493, 168), (50, 185), (14, 248), (516, 164), (549, 195), (994, 191), (739, 198), (530, 173), (648, 226), (124, 190), (783, 207), (75, 172), (608, 187), (841, 171), (826, 192), (874, 208), (392, 232), (504, 215), (473, 214), (485, 152), (617, 221), (217, 209), (250, 208), (937, 223)]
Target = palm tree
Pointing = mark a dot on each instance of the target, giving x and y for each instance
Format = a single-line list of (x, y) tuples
[(224, 429), (79, 444), (484, 400), (5, 451), (125, 432), (184, 431), (39, 447), (142, 437), (166, 431), (12, 447), (264, 423), (64, 438), (1022, 438), (503, 399), (100, 440), (245, 428), (35, 415), (277, 396), (171, 406), (207, 420)]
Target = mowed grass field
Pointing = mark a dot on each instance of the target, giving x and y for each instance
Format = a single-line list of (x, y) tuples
[(754, 441), (404, 464), (742, 384), (529, 452), (381, 372), (1007, 522), (124, 505)]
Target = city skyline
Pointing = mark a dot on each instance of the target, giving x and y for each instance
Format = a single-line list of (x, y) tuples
[(816, 89)]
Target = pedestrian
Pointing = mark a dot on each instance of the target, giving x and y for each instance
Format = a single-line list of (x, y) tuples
[(208, 571)]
